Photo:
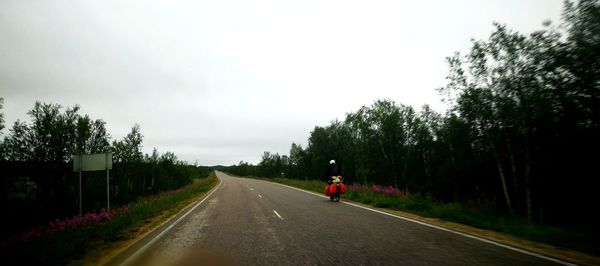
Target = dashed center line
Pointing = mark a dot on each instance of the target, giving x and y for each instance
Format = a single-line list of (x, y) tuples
[(278, 214)]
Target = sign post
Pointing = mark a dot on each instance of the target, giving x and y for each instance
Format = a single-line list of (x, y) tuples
[(93, 162), (107, 184), (80, 199)]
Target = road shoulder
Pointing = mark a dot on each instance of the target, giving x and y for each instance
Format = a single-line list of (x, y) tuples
[(119, 251)]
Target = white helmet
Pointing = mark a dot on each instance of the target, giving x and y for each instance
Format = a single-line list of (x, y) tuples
[(332, 162)]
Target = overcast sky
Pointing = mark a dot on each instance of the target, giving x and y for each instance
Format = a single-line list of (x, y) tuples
[(222, 81)]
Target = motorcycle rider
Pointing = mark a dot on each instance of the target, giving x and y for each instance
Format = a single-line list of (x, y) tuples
[(333, 172)]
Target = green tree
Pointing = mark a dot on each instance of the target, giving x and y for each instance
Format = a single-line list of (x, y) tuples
[(18, 144), (297, 161), (133, 145), (91, 136), (168, 157), (384, 134), (153, 160), (128, 154), (529, 97)]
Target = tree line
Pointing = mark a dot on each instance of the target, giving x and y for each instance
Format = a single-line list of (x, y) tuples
[(521, 135), (37, 182)]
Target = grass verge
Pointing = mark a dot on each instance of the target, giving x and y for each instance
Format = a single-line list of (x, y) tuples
[(71, 244)]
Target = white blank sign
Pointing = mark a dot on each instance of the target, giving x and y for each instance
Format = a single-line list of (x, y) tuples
[(92, 162)]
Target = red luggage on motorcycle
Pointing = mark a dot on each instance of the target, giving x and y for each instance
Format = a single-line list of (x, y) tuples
[(327, 191), (332, 189)]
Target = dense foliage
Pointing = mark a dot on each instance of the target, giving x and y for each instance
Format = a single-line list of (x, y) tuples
[(37, 182)]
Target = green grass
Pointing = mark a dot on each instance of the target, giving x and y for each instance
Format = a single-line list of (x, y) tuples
[(480, 217), (61, 247)]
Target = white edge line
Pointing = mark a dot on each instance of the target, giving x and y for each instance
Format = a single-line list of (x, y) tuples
[(142, 249), (278, 214), (443, 229)]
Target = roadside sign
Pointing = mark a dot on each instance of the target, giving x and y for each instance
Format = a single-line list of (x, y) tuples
[(93, 162)]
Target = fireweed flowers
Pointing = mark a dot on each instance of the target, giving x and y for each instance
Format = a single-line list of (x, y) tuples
[(69, 223), (390, 191)]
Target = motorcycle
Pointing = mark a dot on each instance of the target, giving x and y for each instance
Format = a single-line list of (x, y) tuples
[(335, 189)]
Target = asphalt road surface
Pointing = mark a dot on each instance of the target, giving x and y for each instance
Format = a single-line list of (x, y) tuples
[(253, 222)]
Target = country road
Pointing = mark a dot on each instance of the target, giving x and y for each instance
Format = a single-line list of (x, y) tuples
[(254, 222)]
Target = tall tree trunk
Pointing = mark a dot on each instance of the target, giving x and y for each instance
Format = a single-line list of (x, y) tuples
[(426, 165), (405, 177), (404, 170), (513, 168), (502, 178), (153, 174), (454, 172), (395, 176), (526, 177), (393, 169), (390, 163)]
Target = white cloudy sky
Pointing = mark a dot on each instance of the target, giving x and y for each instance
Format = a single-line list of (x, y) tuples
[(223, 81)]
